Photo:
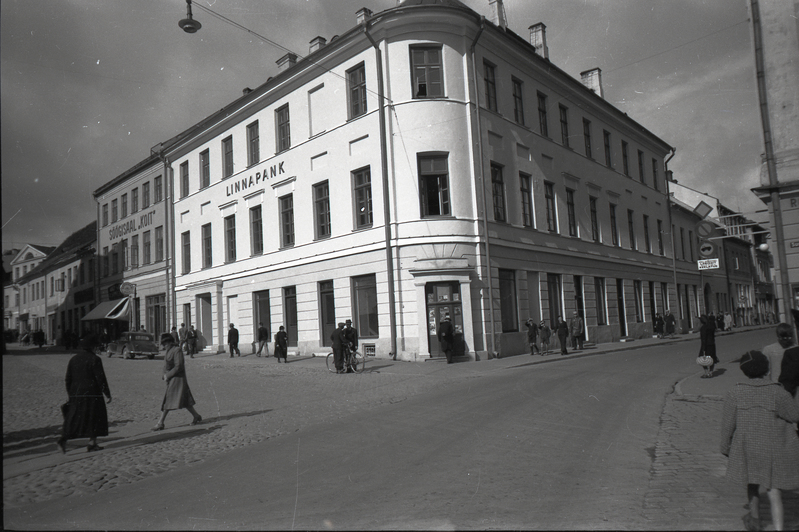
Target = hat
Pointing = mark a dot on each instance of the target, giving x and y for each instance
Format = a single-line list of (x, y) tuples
[(89, 342), (348, 322), (166, 338)]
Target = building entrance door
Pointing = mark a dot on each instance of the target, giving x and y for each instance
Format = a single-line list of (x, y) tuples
[(327, 312), (205, 328), (443, 299)]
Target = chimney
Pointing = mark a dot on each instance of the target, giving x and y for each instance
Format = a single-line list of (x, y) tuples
[(362, 14), (317, 44), (498, 13), (246, 90), (538, 38), (593, 80), (286, 62)]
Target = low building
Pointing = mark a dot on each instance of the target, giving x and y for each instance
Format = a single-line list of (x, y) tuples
[(17, 295)]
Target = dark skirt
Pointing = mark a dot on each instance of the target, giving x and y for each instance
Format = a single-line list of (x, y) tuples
[(86, 417)]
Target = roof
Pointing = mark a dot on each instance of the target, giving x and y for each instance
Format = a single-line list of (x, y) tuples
[(72, 248)]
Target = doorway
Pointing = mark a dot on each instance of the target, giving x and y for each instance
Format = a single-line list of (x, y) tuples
[(443, 299), (327, 312), (205, 330)]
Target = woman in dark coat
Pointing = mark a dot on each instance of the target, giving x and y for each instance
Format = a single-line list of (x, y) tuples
[(281, 344), (707, 343), (85, 415), (563, 335), (178, 395)]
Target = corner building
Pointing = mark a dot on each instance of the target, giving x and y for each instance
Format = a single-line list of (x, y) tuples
[(425, 163)]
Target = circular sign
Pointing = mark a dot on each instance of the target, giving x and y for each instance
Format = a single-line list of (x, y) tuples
[(707, 249), (127, 288), (705, 229)]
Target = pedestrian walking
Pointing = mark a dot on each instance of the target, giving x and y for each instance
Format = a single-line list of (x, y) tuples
[(774, 352), (263, 339), (337, 337), (670, 323), (720, 321), (532, 336), (446, 336), (546, 335), (85, 415), (175, 335), (178, 394), (707, 344), (727, 321), (562, 331), (191, 339), (577, 331), (282, 344), (233, 340), (758, 437), (658, 325)]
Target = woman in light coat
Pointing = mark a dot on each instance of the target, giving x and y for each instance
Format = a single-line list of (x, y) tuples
[(758, 436), (177, 395)]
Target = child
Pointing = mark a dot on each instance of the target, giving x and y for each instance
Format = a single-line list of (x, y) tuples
[(544, 332), (758, 437)]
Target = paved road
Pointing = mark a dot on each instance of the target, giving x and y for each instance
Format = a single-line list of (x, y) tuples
[(433, 444)]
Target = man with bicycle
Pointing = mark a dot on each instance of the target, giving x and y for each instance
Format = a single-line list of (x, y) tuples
[(350, 337), (338, 347)]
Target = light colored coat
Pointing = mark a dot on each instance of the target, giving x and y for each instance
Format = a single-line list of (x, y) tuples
[(178, 395)]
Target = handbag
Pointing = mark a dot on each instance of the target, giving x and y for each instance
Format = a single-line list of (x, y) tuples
[(704, 360)]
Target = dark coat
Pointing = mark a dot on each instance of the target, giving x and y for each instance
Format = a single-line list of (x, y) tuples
[(350, 334), (233, 335), (446, 333), (263, 334), (532, 332), (670, 322), (337, 338), (178, 395), (789, 370), (86, 416), (707, 340), (281, 344), (563, 330)]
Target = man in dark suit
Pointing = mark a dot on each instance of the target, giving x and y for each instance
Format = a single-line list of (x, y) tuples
[(337, 338), (446, 337), (263, 339), (233, 340)]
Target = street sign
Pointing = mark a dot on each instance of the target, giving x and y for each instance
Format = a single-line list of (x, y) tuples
[(127, 289), (705, 229), (707, 249), (708, 264)]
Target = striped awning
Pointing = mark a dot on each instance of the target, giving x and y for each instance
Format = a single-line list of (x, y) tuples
[(118, 309)]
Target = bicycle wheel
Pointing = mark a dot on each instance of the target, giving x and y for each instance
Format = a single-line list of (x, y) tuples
[(331, 363), (358, 362)]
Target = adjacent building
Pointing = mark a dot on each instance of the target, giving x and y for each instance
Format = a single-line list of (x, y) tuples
[(16, 296)]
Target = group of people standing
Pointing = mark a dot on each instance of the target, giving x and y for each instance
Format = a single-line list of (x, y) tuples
[(281, 342), (573, 331), (345, 340), (664, 325)]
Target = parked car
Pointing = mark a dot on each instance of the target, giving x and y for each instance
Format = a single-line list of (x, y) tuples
[(131, 344)]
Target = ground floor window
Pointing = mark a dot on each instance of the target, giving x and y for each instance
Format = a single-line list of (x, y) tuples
[(156, 315), (507, 301), (554, 291), (327, 312), (621, 307), (187, 314), (639, 301), (364, 298), (290, 313), (262, 312)]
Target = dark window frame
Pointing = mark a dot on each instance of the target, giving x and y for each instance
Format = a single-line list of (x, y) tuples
[(551, 207), (518, 100), (498, 193), (427, 72), (490, 85), (434, 179), (321, 202), (356, 91)]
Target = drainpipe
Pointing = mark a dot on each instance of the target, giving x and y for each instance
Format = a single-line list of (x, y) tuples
[(484, 220), (169, 213), (671, 227), (392, 313)]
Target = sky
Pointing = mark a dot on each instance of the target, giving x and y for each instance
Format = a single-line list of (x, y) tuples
[(87, 87)]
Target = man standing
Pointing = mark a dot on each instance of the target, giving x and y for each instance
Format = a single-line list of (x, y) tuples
[(182, 335), (562, 330), (445, 337), (670, 323), (263, 339), (233, 340), (351, 335), (175, 335), (576, 330), (532, 336), (191, 339), (337, 337), (774, 352)]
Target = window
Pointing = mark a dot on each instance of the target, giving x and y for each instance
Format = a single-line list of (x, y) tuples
[(647, 241), (564, 125), (625, 161), (253, 144), (498, 191), (542, 114), (572, 215), (507, 298), (227, 157), (159, 243), (145, 195), (52, 289), (114, 211), (205, 168), (134, 200), (356, 91), (433, 186), (256, 231), (614, 230), (105, 261), (518, 101), (655, 174), (114, 262), (362, 186), (595, 236), (287, 220), (641, 166), (158, 189), (364, 300), (82, 270), (105, 215), (682, 242), (283, 128), (527, 200), (146, 246), (184, 179), (206, 237), (552, 219), (639, 301), (426, 72), (587, 137), (631, 229), (691, 245), (321, 198), (124, 205), (125, 254), (490, 86), (134, 251), (230, 238), (606, 140), (290, 313)]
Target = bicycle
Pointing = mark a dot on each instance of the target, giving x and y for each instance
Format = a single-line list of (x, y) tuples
[(353, 361)]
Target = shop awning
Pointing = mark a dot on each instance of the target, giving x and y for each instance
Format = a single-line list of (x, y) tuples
[(118, 309)]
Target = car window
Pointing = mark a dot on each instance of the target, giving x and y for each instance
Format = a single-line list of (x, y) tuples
[(141, 337)]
